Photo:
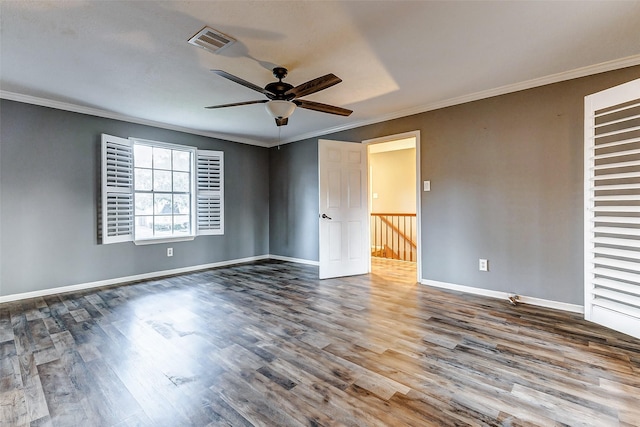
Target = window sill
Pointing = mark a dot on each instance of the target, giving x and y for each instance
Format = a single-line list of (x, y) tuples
[(163, 240)]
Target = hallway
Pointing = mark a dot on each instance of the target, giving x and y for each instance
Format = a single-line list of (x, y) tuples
[(394, 271)]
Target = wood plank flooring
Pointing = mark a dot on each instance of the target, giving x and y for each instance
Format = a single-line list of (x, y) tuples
[(268, 344)]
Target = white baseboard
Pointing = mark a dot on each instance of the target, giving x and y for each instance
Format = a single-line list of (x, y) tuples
[(574, 308), (468, 289), (115, 281), (296, 260)]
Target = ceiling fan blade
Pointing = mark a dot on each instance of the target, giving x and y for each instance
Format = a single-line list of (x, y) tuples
[(243, 82), (324, 108), (313, 86), (235, 104), (282, 122)]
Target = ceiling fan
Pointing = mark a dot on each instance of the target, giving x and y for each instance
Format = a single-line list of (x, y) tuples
[(283, 98)]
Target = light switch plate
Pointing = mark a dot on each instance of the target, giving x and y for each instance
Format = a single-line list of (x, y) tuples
[(427, 186)]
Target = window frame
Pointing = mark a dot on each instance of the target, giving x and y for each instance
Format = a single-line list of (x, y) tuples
[(116, 222), (192, 191)]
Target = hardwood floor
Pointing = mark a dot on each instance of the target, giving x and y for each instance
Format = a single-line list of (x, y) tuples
[(268, 344)]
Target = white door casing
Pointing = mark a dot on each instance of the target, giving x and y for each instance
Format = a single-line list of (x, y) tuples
[(343, 209), (416, 136), (612, 208)]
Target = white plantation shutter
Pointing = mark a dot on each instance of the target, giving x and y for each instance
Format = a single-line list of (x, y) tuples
[(117, 190), (117, 211), (210, 192), (612, 202)]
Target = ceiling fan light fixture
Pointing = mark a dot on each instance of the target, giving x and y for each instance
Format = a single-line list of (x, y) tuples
[(279, 109)]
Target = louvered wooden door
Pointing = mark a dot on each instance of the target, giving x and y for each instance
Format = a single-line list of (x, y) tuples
[(612, 208)]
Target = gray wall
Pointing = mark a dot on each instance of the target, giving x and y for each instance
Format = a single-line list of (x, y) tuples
[(506, 177), (507, 183), (49, 188), (294, 200)]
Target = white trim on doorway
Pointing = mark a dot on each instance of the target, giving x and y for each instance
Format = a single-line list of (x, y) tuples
[(397, 137)]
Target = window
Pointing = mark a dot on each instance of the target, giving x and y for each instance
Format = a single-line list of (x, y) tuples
[(155, 192), (162, 190)]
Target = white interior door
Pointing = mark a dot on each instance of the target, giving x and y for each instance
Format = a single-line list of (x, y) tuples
[(343, 209), (612, 208)]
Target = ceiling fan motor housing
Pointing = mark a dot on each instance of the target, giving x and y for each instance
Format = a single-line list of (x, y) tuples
[(279, 88)]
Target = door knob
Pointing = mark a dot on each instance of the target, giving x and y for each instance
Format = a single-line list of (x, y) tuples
[(325, 216)]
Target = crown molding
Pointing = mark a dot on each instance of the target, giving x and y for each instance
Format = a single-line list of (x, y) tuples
[(603, 67), (616, 64), (65, 106)]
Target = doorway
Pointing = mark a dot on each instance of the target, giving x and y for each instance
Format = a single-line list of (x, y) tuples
[(394, 206)]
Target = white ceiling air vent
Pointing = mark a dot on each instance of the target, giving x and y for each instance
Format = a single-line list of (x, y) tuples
[(211, 40)]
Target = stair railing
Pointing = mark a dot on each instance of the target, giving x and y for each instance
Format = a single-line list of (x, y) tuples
[(393, 236)]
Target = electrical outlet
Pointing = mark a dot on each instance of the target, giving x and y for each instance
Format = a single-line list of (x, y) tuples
[(169, 251), (483, 264)]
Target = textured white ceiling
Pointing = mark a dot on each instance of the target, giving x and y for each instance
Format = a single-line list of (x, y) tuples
[(131, 58)]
